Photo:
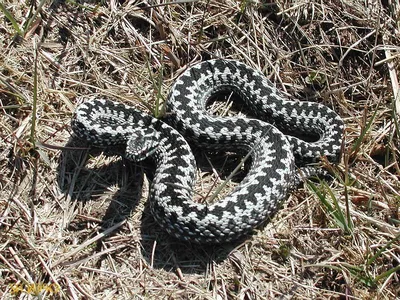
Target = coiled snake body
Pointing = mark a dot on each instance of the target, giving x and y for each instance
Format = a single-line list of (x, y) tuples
[(274, 155)]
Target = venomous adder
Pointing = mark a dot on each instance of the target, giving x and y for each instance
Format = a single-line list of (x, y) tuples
[(274, 155)]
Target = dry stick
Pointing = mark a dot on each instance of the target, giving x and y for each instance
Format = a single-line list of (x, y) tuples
[(233, 173), (109, 92), (353, 46), (255, 45), (396, 94), (27, 278), (394, 80), (12, 90), (171, 3), (53, 278), (90, 241), (82, 261)]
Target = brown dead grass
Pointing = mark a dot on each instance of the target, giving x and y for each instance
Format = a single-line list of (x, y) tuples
[(76, 220)]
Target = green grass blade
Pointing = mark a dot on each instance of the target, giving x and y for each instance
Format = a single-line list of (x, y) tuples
[(157, 85), (346, 223), (334, 210), (357, 272), (321, 196), (377, 254), (35, 97), (386, 274), (33, 18), (364, 131), (11, 18)]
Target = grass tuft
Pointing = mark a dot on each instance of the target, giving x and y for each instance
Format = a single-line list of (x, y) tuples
[(332, 206)]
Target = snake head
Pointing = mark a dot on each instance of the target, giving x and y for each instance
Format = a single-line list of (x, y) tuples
[(142, 144)]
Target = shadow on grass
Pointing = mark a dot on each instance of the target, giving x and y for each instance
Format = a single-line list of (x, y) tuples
[(101, 189), (162, 251), (86, 173)]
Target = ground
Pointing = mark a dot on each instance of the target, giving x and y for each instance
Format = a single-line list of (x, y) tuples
[(74, 222)]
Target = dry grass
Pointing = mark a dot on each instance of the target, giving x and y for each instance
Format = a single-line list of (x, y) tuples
[(76, 220)]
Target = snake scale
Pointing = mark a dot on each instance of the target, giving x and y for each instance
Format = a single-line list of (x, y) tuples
[(275, 156)]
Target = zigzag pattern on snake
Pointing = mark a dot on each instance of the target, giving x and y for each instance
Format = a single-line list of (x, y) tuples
[(274, 155)]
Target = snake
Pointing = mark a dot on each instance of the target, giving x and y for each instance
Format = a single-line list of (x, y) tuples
[(283, 139)]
